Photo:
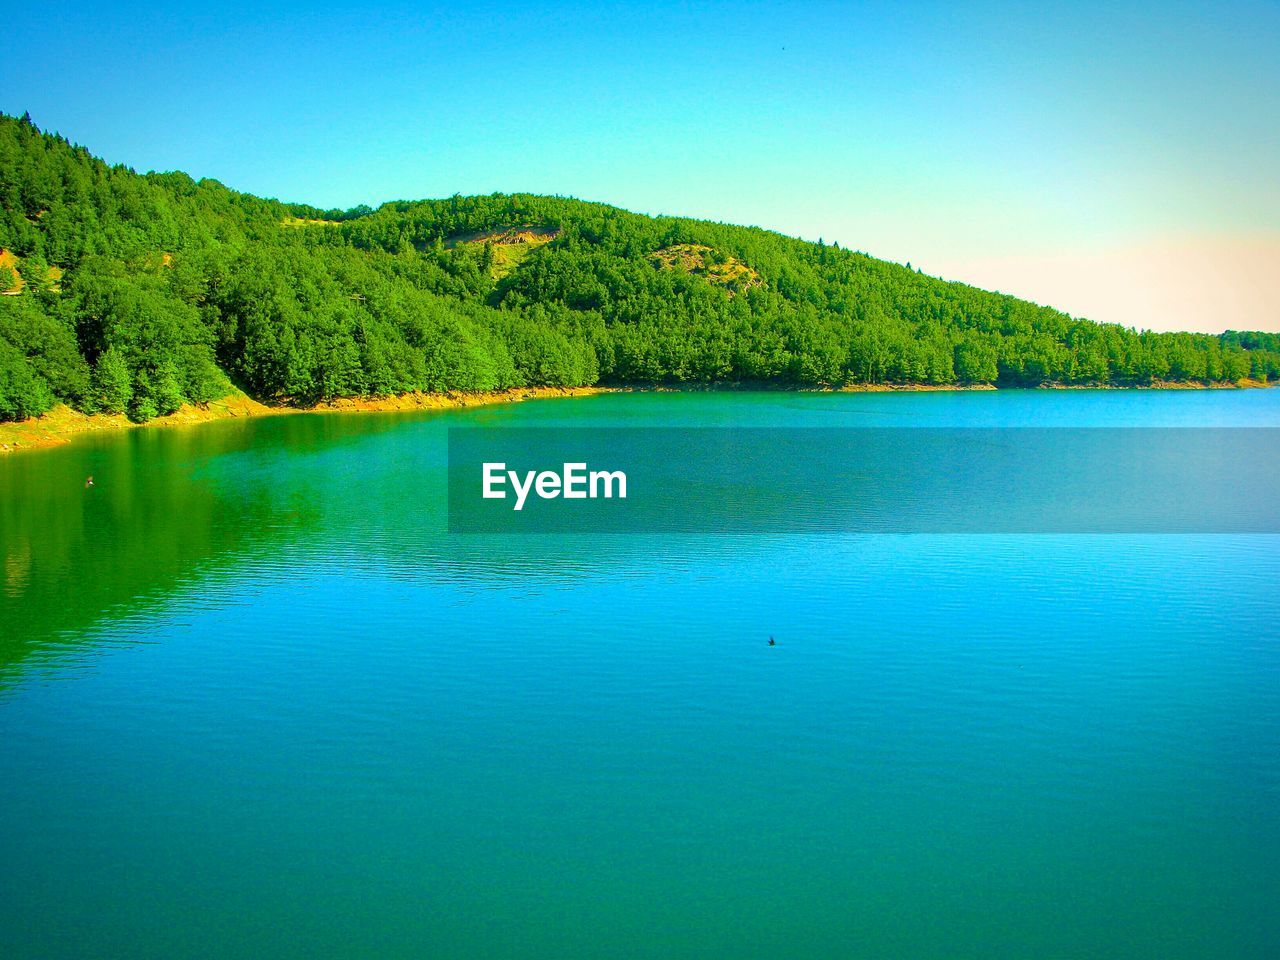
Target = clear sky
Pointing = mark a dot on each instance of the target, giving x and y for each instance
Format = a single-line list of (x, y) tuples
[(1120, 161)]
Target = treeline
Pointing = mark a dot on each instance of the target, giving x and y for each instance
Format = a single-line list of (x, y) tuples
[(138, 293)]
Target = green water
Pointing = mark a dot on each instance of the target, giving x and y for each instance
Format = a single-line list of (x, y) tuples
[(254, 702)]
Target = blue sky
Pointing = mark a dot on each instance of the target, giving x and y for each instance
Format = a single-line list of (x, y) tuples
[(1116, 160)]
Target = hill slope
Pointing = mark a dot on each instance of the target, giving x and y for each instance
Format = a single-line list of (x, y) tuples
[(136, 293)]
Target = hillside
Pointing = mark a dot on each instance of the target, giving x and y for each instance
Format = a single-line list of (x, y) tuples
[(129, 293)]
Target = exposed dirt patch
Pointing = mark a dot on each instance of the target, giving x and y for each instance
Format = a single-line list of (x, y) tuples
[(533, 236), (8, 260), (509, 246), (720, 269)]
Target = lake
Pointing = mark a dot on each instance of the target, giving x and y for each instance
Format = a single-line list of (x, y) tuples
[(255, 701)]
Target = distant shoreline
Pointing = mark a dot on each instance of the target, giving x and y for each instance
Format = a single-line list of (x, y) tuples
[(61, 424)]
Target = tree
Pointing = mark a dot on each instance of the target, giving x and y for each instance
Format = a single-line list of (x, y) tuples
[(112, 387), (23, 392), (975, 362), (166, 388)]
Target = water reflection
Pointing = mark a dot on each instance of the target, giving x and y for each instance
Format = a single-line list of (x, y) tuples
[(209, 507)]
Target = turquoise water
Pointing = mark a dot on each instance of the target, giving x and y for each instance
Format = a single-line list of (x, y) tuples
[(254, 702)]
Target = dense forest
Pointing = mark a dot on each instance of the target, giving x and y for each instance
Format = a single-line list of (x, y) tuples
[(131, 293)]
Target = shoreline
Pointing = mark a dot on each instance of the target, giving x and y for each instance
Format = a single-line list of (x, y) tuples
[(62, 424)]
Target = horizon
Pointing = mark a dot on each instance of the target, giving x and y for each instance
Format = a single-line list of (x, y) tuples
[(1157, 132)]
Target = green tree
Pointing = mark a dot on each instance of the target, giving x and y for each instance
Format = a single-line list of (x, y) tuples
[(112, 385), (23, 392)]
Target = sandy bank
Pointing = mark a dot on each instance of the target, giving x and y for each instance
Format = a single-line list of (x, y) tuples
[(61, 424)]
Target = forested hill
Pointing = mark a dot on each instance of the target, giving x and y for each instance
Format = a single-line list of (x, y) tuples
[(137, 293)]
